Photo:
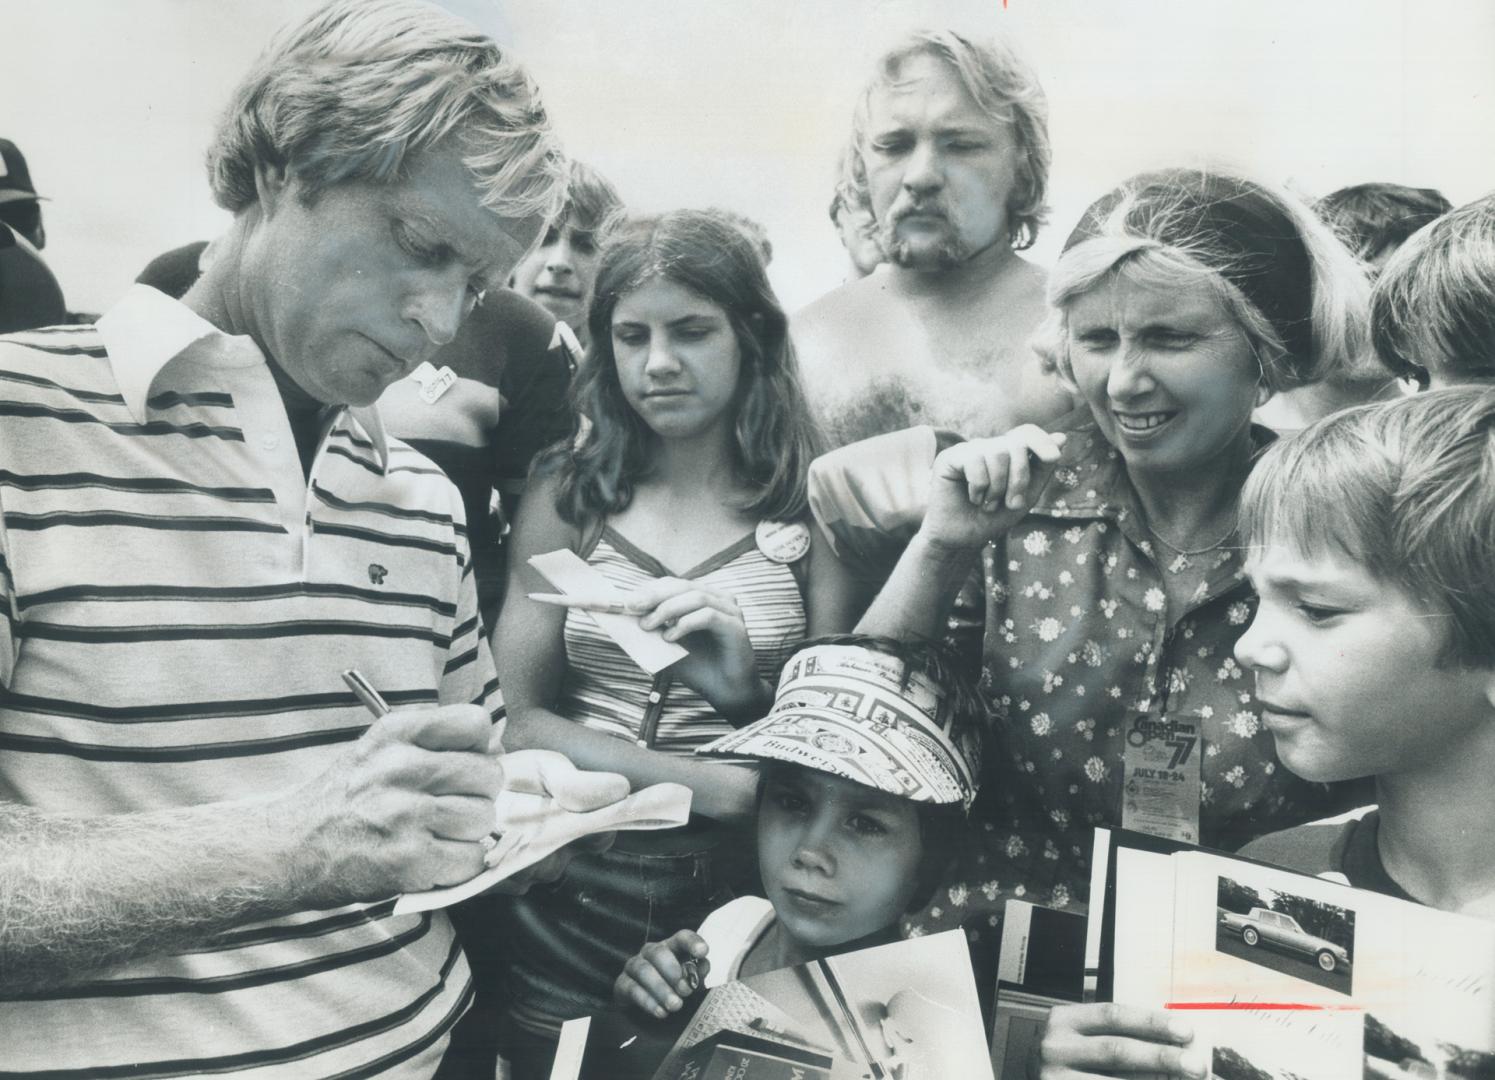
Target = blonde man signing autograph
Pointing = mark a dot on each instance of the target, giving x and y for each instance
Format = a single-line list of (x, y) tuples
[(201, 524)]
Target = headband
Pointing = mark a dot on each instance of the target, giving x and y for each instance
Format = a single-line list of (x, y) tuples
[(1266, 258)]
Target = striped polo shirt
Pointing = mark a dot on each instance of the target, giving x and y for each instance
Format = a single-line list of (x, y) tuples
[(179, 604)]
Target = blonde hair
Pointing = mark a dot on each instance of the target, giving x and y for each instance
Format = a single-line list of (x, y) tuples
[(592, 203), (1434, 304), (1178, 227), (354, 89), (1005, 87), (1405, 489)]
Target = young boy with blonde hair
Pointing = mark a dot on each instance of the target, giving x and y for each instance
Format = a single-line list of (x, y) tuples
[(1371, 540), (1373, 647)]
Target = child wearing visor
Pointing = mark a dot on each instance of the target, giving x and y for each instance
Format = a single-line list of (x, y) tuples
[(870, 758)]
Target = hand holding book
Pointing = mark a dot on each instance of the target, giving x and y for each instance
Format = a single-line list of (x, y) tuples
[(1107, 1039)]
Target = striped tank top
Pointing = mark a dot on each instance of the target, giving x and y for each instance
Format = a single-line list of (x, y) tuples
[(606, 691)]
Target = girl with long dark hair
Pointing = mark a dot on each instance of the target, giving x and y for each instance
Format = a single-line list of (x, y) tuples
[(684, 486)]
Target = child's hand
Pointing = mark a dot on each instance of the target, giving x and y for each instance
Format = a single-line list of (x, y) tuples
[(1106, 1039), (664, 974)]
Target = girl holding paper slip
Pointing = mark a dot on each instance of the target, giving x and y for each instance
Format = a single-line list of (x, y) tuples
[(684, 492)]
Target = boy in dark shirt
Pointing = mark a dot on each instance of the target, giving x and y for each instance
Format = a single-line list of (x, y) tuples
[(1372, 541)]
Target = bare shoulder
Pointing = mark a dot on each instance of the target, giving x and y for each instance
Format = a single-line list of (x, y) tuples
[(1032, 278), (1026, 287), (545, 484), (1007, 311), (832, 314), (538, 525), (846, 325)]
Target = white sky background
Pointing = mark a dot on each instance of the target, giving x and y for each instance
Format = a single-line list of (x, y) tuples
[(745, 104)]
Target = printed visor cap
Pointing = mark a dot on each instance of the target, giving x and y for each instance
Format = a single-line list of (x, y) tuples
[(843, 709)]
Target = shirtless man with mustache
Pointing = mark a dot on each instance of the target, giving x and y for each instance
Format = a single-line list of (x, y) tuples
[(951, 143)]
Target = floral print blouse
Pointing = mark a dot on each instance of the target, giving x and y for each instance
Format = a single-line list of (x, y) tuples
[(1076, 642)]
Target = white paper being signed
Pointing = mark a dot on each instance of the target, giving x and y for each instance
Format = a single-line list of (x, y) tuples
[(532, 826)]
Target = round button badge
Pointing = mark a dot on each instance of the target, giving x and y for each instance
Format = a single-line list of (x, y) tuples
[(783, 541)]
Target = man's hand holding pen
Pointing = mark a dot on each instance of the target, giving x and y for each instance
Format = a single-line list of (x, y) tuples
[(410, 804)]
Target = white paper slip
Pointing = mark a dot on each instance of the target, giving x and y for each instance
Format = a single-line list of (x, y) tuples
[(569, 573), (433, 382), (572, 1048), (533, 826)]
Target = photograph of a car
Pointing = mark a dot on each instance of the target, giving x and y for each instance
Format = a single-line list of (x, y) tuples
[(1273, 929), (1288, 933)]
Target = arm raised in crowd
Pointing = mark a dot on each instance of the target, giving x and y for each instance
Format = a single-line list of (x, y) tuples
[(529, 651), (977, 491)]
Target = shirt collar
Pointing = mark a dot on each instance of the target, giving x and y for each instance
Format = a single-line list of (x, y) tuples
[(1358, 854), (143, 333), (1091, 479), (367, 417), (1092, 483), (147, 329)]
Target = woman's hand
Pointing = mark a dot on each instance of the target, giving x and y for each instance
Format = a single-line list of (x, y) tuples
[(1106, 1039), (980, 489), (664, 974), (721, 665)]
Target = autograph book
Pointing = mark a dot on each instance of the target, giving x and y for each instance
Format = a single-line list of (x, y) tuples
[(1286, 976)]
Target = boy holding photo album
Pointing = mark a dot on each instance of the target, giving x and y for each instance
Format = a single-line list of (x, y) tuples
[(1371, 540), (1374, 646)]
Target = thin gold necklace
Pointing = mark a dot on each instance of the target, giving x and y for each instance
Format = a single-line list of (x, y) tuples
[(1160, 538)]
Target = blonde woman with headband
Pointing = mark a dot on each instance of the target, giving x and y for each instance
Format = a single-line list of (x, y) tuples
[(1113, 589)]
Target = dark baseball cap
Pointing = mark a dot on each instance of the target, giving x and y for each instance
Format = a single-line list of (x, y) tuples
[(15, 178)]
